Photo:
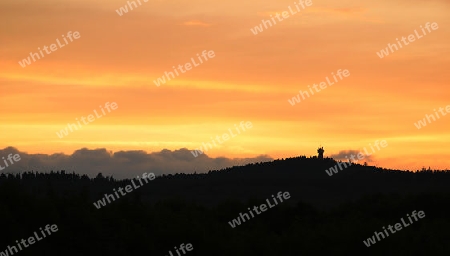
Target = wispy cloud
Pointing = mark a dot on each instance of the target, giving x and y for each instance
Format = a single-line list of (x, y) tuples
[(196, 23)]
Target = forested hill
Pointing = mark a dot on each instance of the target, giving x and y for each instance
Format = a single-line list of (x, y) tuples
[(305, 178), (324, 215)]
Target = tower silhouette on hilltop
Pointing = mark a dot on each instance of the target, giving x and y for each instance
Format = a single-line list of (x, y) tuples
[(320, 151)]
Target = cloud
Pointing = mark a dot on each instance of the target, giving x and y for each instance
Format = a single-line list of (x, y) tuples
[(196, 23), (122, 164), (346, 153), (267, 14), (348, 10)]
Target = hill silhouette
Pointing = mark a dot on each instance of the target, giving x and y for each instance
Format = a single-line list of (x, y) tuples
[(325, 214)]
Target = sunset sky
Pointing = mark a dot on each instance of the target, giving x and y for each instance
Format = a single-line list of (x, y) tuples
[(250, 78)]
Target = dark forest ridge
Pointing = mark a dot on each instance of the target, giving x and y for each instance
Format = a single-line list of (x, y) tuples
[(305, 178), (340, 211)]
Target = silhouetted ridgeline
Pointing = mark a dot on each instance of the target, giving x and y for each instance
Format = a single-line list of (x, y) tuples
[(325, 214)]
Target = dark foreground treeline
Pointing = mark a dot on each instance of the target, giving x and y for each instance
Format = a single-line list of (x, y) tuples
[(325, 215)]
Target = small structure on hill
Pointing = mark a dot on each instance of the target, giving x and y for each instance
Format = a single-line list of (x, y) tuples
[(320, 151)]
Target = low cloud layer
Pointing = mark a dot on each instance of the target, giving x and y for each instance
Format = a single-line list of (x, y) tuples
[(346, 153), (122, 164)]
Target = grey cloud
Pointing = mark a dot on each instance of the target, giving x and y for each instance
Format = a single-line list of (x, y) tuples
[(346, 153), (123, 164)]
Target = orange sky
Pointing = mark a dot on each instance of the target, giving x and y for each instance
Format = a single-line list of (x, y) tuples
[(250, 78)]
